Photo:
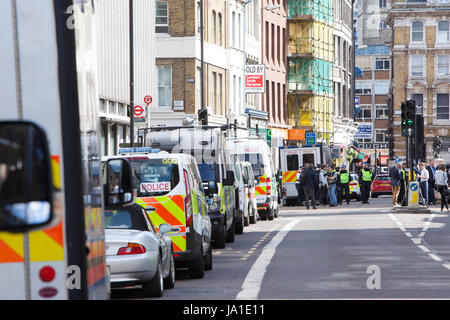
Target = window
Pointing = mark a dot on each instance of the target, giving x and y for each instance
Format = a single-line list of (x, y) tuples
[(416, 65), (122, 110), (382, 64), (366, 112), (383, 24), (102, 106), (381, 86), (162, 17), (213, 28), (198, 88), (418, 98), (165, 86), (443, 34), (219, 96), (363, 87), (417, 31), (442, 107), (442, 63), (380, 135), (381, 112), (112, 107), (382, 3), (213, 92), (219, 29)]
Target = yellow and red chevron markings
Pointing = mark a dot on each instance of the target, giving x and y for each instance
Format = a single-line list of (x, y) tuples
[(169, 209), (290, 176)]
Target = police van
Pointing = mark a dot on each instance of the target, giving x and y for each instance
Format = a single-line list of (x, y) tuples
[(208, 146), (256, 151), (170, 190)]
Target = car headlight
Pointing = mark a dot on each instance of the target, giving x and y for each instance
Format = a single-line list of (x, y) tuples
[(214, 204)]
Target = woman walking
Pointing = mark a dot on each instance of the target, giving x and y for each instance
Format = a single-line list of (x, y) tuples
[(442, 183)]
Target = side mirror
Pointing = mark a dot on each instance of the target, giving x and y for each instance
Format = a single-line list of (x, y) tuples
[(164, 228), (229, 181), (26, 182), (212, 188), (118, 183)]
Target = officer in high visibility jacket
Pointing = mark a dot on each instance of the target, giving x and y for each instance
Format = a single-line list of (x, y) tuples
[(365, 181), (343, 185), (401, 195)]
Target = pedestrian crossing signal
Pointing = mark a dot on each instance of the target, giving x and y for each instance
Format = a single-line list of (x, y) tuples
[(408, 122)]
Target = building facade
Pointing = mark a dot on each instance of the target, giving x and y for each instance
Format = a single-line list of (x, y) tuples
[(320, 69), (421, 61), (113, 56)]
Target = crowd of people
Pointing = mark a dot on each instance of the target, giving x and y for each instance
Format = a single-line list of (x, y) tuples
[(328, 185), (431, 178)]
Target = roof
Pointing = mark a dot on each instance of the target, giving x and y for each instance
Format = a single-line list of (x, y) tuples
[(375, 49)]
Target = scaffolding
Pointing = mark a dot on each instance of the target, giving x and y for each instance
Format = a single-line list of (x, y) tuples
[(310, 68)]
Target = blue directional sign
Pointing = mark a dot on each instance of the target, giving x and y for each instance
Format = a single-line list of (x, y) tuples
[(414, 186), (310, 138)]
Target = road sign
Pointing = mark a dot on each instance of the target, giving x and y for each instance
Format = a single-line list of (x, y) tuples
[(254, 78), (413, 194), (310, 138), (148, 100), (364, 131), (139, 112)]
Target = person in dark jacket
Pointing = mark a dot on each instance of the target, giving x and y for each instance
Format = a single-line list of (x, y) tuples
[(309, 187), (300, 192), (365, 181), (431, 182)]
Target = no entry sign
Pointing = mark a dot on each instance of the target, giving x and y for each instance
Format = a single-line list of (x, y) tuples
[(254, 78)]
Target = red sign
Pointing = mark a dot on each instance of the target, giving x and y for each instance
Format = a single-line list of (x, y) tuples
[(148, 100), (254, 78), (138, 112), (254, 81)]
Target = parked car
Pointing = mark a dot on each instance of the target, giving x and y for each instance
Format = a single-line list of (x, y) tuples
[(136, 253), (355, 191), (242, 213), (381, 185)]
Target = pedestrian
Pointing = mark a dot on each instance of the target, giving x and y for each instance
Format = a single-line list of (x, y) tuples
[(343, 185), (300, 193), (323, 191), (365, 181), (317, 187), (309, 185), (441, 181), (423, 181), (396, 177), (331, 186), (431, 183)]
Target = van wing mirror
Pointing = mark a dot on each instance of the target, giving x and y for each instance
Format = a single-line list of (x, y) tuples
[(118, 183), (26, 181), (230, 178)]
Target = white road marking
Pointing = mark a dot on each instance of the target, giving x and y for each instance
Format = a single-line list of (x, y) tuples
[(424, 249), (252, 283), (435, 257)]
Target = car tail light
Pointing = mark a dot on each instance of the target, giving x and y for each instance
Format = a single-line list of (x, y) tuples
[(187, 201), (132, 248), (47, 274), (268, 187)]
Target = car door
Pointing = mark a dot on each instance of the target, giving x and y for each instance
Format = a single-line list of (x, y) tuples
[(163, 243)]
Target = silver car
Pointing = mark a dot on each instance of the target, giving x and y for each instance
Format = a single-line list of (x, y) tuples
[(136, 253)]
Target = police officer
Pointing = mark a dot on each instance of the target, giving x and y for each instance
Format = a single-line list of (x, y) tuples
[(401, 195), (365, 181), (343, 185)]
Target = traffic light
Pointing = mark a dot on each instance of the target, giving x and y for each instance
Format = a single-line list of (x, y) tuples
[(203, 117), (408, 117)]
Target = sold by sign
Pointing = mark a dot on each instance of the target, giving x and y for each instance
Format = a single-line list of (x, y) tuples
[(254, 78), (155, 187)]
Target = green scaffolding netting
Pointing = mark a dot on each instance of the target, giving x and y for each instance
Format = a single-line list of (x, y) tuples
[(310, 74), (319, 9)]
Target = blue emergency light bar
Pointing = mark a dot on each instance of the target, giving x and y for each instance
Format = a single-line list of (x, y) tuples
[(138, 150)]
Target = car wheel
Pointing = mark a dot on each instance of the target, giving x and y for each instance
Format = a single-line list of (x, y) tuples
[(220, 240), (230, 233), (374, 195), (155, 287), (197, 267), (209, 259), (169, 282), (271, 214), (263, 215), (239, 226)]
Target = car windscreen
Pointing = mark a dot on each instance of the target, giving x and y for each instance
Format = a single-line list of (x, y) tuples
[(256, 160), (125, 218), (207, 171), (155, 177), (382, 178)]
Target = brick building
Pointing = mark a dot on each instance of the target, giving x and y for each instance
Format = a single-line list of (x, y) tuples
[(421, 53)]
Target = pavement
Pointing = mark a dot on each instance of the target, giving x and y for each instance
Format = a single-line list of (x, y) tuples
[(347, 252)]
